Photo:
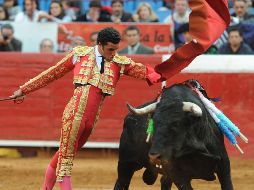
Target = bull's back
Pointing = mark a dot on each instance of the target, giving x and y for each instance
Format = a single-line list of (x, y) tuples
[(184, 93)]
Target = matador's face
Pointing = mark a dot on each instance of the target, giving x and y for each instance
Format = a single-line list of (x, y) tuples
[(109, 50)]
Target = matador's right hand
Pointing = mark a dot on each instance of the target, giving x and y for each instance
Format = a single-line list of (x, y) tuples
[(18, 96)]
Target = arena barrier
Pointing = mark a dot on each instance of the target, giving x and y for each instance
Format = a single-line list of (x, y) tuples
[(36, 122)]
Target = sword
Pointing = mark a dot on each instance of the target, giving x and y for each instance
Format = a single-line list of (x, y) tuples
[(4, 99), (16, 100)]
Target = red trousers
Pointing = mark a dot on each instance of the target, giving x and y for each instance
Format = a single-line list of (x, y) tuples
[(79, 118)]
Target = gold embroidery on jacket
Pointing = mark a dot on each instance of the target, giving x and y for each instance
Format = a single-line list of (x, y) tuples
[(82, 50), (86, 64), (90, 61), (108, 64), (89, 73), (106, 89), (106, 79), (95, 77), (109, 72), (83, 71), (122, 60)]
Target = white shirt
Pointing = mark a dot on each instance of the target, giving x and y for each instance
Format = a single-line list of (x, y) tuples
[(98, 57), (176, 17), (22, 17)]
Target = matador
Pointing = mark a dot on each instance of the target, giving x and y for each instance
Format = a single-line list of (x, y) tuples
[(96, 72)]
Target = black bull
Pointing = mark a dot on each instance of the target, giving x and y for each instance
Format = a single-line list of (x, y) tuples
[(184, 146)]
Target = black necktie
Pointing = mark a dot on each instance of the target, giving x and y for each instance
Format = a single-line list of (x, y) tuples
[(102, 64)]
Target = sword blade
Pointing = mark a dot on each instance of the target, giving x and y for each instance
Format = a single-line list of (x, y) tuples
[(8, 98)]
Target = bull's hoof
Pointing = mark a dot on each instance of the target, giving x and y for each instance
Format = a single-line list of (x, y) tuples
[(149, 177)]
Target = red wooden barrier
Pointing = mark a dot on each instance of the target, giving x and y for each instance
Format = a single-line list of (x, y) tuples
[(39, 116)]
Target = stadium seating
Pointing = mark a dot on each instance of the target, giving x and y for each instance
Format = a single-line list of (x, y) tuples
[(162, 13), (44, 5), (21, 3), (129, 5)]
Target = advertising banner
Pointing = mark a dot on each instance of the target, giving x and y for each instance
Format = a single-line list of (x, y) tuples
[(31, 34), (155, 36)]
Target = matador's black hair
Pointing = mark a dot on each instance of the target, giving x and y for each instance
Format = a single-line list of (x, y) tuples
[(108, 34)]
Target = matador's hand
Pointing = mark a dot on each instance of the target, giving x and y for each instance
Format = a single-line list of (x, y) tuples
[(18, 96), (154, 77)]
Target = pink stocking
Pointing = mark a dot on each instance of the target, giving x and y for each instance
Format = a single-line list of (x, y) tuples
[(50, 178), (66, 183)]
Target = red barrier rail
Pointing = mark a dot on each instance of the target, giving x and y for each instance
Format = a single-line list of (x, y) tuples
[(39, 116)]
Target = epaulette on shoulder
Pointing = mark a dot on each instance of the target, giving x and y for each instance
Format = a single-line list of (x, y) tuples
[(122, 60), (82, 50)]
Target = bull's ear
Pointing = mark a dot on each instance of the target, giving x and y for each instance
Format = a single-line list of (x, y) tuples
[(192, 108), (142, 111)]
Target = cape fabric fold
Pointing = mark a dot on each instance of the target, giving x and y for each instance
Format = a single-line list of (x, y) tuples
[(208, 20)]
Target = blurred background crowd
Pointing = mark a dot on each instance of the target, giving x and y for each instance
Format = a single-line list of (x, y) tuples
[(46, 26)]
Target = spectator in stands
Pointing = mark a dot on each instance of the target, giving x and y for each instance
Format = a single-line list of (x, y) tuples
[(47, 46), (76, 4), (69, 9), (93, 38), (118, 13), (184, 29), (77, 41), (56, 13), (179, 17), (230, 4), (7, 40), (30, 13), (12, 7), (132, 35), (235, 44), (168, 4), (234, 22), (3, 13), (241, 13), (249, 3), (96, 73), (145, 13), (95, 13)]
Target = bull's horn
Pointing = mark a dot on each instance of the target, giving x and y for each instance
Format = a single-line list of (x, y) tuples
[(142, 111), (193, 108)]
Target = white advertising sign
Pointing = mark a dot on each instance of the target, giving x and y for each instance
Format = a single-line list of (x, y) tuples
[(31, 34)]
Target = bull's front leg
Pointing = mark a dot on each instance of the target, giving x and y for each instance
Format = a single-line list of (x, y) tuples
[(223, 173), (183, 185), (125, 173), (166, 183)]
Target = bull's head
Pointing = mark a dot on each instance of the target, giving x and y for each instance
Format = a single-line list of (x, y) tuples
[(187, 107), (165, 123)]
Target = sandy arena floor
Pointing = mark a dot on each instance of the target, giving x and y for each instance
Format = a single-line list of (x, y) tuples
[(98, 172)]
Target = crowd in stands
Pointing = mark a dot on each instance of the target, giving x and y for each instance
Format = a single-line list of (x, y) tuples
[(237, 39), (132, 35)]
